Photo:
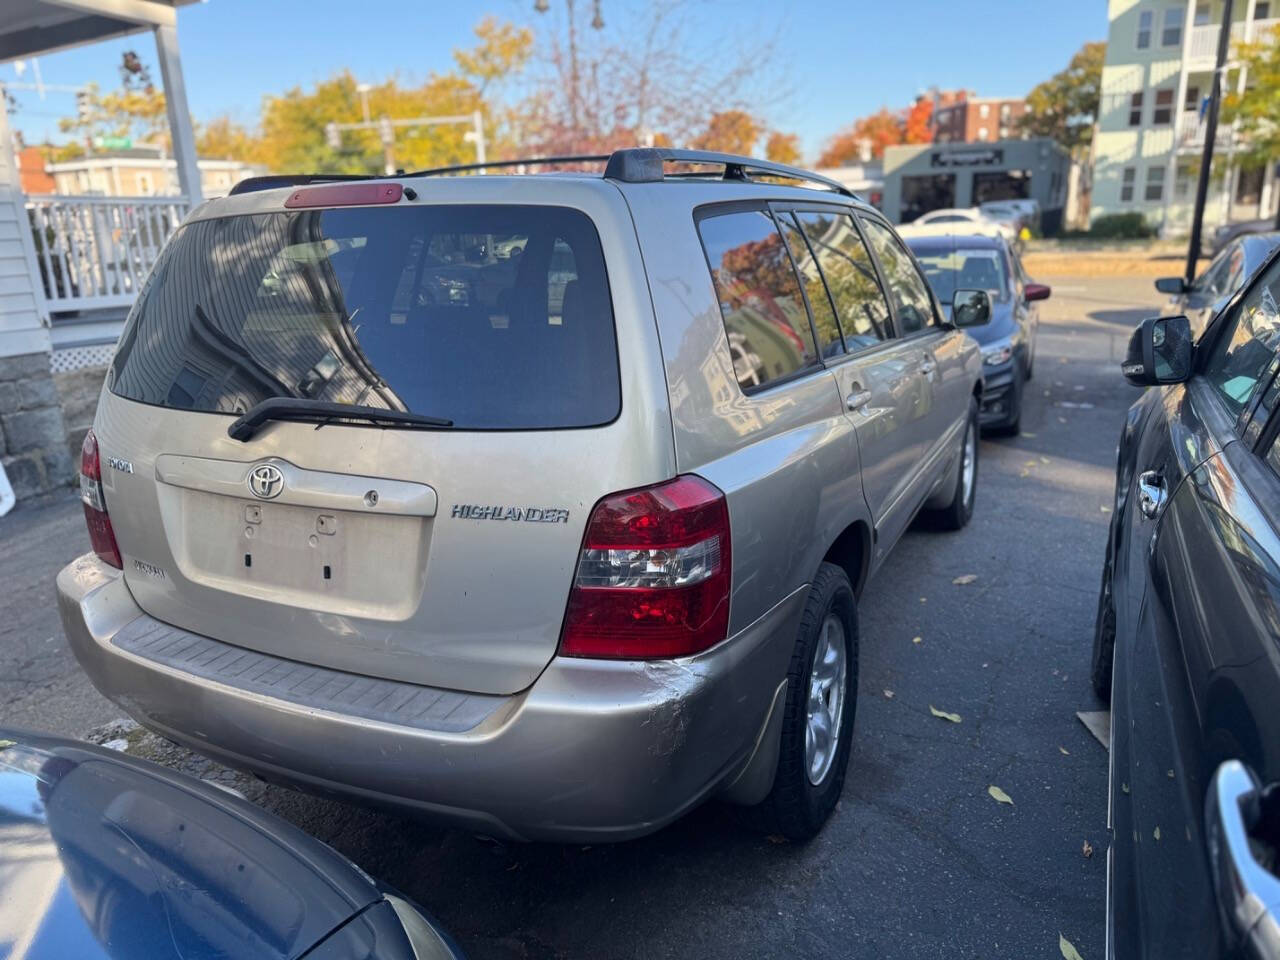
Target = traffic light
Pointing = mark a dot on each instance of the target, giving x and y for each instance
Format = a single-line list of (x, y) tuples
[(332, 136)]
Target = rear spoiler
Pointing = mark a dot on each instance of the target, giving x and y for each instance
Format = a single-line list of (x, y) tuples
[(271, 182)]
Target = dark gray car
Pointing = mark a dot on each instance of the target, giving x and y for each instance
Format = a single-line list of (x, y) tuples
[(1187, 644), (1235, 263), (985, 261)]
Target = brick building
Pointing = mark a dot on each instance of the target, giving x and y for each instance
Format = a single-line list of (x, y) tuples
[(961, 117)]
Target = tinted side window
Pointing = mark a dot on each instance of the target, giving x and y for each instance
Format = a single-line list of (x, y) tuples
[(764, 314), (824, 315), (851, 277), (1245, 348), (909, 291)]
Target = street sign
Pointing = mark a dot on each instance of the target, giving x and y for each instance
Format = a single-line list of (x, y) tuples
[(113, 143)]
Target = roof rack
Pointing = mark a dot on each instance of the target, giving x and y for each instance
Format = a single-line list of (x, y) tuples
[(647, 165), (632, 165)]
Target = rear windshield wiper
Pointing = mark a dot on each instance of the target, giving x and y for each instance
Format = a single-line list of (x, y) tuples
[(322, 412)]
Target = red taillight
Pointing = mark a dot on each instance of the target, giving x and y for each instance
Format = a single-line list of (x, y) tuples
[(101, 536), (653, 577)]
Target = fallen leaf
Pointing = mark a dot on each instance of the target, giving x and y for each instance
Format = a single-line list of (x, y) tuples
[(1044, 460), (1029, 463), (1124, 787), (6, 744), (1105, 509), (1028, 436), (917, 639), (943, 715), (1064, 751), (1156, 833), (965, 578), (924, 599), (1069, 952), (1087, 850), (1170, 774), (776, 838), (1024, 473), (1062, 419), (514, 866), (888, 694), (999, 795)]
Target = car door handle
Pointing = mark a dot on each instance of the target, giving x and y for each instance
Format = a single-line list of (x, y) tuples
[(858, 399), (928, 365), (1248, 893), (1151, 493)]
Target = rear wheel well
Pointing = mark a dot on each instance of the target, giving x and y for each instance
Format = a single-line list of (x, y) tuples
[(852, 552), (977, 390)]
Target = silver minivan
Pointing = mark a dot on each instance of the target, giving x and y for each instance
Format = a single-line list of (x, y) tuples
[(537, 503)]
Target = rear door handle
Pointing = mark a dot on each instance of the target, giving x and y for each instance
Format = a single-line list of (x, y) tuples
[(928, 365), (1151, 493), (858, 399), (1248, 893)]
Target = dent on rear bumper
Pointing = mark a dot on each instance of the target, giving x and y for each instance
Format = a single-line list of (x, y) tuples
[(593, 750)]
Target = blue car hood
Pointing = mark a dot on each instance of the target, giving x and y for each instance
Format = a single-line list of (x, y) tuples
[(104, 856)]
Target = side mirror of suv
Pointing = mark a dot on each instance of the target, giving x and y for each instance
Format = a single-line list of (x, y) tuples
[(1159, 352), (1172, 285), (1036, 291), (970, 308)]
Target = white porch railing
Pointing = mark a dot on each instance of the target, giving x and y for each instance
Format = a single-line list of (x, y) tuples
[(1203, 48), (95, 252)]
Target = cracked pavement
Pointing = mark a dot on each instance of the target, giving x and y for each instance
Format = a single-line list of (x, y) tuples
[(918, 861)]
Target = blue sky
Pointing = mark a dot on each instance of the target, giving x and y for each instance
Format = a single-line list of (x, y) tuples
[(834, 60)]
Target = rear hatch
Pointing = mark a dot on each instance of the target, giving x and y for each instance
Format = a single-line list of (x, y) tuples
[(440, 555)]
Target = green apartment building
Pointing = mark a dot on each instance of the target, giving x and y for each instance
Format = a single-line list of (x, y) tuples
[(1150, 133)]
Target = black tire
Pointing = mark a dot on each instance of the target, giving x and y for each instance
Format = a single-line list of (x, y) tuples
[(956, 515), (796, 808), (1104, 636), (1031, 364)]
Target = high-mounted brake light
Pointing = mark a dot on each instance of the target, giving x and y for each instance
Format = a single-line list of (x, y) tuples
[(653, 577), (101, 536), (345, 195)]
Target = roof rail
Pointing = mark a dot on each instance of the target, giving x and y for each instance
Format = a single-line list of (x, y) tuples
[(271, 181), (501, 164), (646, 165)]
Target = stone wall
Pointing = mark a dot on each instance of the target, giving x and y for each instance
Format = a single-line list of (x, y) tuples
[(79, 390), (33, 439)]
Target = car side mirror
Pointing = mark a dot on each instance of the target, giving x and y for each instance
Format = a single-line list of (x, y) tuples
[(970, 308), (1172, 285), (1036, 291), (1160, 351)]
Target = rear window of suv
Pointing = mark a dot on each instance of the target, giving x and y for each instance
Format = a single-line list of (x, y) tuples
[(493, 316)]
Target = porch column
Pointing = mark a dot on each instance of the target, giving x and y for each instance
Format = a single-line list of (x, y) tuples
[(175, 98)]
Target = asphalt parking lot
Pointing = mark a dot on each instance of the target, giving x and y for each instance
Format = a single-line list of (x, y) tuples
[(919, 860)]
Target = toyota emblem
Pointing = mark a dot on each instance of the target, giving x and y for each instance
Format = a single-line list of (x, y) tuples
[(266, 481)]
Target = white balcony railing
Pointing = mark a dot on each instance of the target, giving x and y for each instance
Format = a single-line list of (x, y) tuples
[(1191, 132), (95, 252), (1203, 48)]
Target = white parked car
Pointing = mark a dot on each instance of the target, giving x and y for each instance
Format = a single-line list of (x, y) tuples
[(964, 215)]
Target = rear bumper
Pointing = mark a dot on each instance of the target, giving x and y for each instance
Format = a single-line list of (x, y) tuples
[(593, 750)]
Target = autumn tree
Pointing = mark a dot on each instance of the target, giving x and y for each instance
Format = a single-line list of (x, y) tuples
[(730, 131), (224, 139), (918, 125), (1254, 111), (879, 130), (649, 76), (136, 110), (1065, 106), (783, 148), (293, 124)]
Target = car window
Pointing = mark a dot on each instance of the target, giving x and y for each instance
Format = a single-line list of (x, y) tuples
[(1244, 349), (1209, 282), (945, 218), (830, 343), (910, 292), (760, 302), (965, 268), (851, 277), (494, 316)]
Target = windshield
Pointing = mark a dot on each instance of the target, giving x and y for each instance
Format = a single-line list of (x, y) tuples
[(495, 317), (973, 269)]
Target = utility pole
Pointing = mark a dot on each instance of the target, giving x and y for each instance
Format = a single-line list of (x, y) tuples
[(386, 128), (1210, 135)]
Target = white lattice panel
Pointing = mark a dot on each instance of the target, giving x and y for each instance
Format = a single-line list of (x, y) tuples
[(67, 359)]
